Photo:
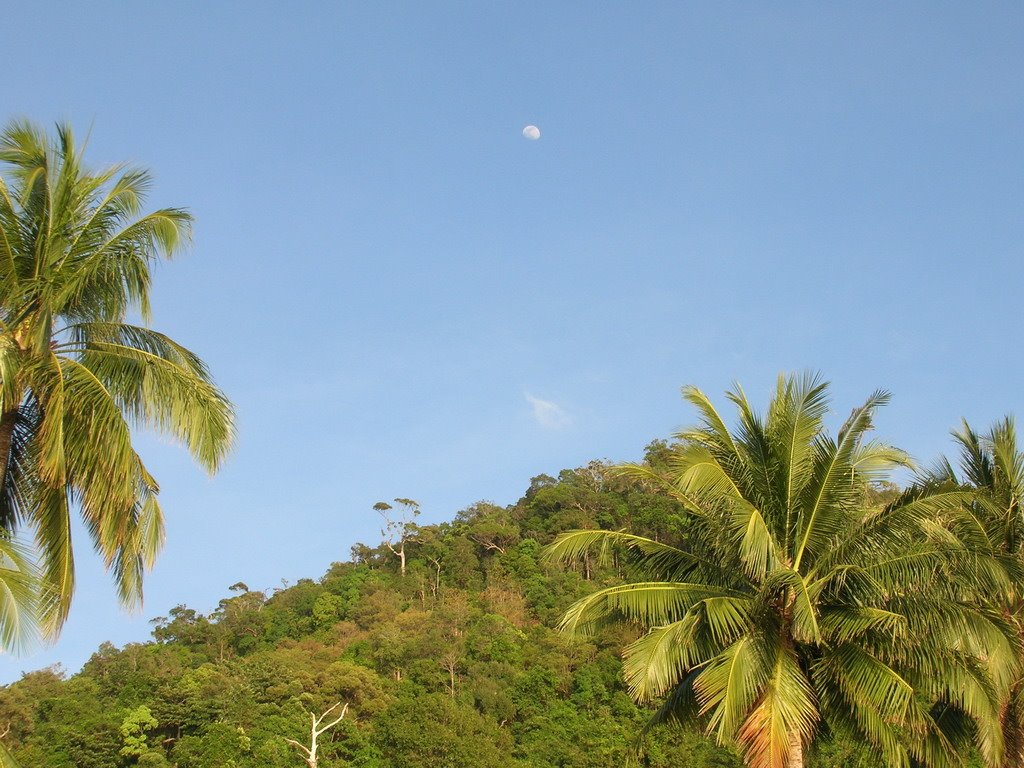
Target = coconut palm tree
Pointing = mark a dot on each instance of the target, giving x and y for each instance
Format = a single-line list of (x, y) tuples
[(802, 599), (75, 376), (992, 464)]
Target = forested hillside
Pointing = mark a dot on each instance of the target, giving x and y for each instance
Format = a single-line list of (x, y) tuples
[(455, 663)]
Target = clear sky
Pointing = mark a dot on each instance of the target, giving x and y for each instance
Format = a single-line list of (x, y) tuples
[(405, 297)]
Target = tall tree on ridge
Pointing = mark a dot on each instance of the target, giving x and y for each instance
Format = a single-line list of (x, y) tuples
[(75, 377), (798, 600), (398, 528)]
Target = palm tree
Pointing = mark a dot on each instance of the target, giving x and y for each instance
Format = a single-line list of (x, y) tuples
[(803, 599), (993, 466), (75, 376)]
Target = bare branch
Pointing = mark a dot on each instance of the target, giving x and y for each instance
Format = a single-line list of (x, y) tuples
[(300, 746), (336, 721)]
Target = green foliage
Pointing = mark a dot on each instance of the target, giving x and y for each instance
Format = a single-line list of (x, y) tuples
[(76, 254), (221, 744), (797, 595), (434, 731), (134, 729), (456, 663), (992, 466)]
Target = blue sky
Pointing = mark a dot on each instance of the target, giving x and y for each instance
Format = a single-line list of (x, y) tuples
[(404, 297)]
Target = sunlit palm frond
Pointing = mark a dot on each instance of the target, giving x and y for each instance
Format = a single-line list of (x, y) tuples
[(20, 592), (654, 559), (776, 730), (795, 417), (654, 664), (729, 686), (834, 487), (649, 603), (160, 385)]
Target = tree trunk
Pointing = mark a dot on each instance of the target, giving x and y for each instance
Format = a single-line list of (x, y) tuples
[(1011, 716), (796, 750), (8, 420), (1010, 722)]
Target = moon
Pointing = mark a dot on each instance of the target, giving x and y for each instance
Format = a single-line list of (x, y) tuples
[(531, 132)]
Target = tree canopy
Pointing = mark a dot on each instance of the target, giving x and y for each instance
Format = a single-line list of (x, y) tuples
[(458, 662), (801, 598), (76, 250)]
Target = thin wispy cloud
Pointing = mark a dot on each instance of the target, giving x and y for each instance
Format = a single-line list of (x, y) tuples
[(548, 414)]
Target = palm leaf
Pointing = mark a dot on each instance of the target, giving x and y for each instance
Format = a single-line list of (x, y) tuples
[(784, 718), (650, 603), (832, 488)]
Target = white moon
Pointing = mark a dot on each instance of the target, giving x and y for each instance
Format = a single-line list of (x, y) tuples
[(531, 132)]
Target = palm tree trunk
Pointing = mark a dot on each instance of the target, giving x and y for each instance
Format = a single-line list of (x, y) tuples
[(1011, 718), (796, 750), (8, 420), (1013, 733)]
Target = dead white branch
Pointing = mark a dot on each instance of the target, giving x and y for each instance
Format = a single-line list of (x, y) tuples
[(316, 730)]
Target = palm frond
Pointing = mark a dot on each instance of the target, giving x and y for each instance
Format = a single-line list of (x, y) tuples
[(20, 591), (52, 523), (650, 603), (795, 418), (160, 385), (783, 720), (729, 685), (662, 658), (7, 759), (654, 559)]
